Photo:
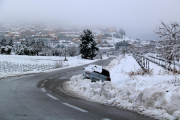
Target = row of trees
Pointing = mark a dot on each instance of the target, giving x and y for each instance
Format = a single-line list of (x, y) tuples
[(36, 47)]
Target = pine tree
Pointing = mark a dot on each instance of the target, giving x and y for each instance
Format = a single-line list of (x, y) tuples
[(3, 42), (88, 47), (11, 43), (27, 43)]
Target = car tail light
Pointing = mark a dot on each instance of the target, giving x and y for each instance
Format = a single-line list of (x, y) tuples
[(108, 79), (87, 72)]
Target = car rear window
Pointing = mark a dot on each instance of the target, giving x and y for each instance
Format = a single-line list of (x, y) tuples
[(105, 72)]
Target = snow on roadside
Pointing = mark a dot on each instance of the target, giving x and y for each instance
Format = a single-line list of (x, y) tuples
[(157, 95), (38, 60)]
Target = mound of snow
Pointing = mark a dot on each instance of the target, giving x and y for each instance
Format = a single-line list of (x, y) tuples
[(174, 104), (150, 101), (152, 98), (176, 115), (102, 92)]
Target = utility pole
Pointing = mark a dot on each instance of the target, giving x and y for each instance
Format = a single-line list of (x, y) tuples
[(65, 50)]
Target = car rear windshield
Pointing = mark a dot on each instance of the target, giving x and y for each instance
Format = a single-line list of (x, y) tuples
[(105, 72)]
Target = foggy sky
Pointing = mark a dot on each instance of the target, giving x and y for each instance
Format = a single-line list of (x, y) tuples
[(137, 17)]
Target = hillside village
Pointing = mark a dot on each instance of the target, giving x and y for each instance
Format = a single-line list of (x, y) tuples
[(105, 37)]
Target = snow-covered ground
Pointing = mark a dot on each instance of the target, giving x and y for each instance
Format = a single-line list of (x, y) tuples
[(38, 60), (156, 95), (177, 64)]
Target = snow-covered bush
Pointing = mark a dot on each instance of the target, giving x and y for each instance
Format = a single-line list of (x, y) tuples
[(6, 49)]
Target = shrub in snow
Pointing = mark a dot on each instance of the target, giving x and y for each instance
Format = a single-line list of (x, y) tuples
[(152, 98), (6, 49), (174, 104)]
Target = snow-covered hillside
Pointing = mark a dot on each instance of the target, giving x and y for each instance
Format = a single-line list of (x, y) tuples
[(156, 95)]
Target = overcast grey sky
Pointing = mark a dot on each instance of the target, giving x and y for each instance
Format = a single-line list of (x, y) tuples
[(137, 17)]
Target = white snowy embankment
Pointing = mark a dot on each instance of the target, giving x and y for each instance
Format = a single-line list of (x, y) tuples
[(38, 60), (157, 95)]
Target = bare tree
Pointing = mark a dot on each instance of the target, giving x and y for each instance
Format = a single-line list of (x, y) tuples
[(72, 50), (46, 51), (170, 34), (61, 51), (122, 32)]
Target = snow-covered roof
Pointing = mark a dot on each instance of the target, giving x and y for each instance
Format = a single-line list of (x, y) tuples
[(92, 68), (145, 42), (52, 34), (73, 35)]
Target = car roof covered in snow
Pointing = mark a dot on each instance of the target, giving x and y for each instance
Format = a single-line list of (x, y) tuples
[(92, 68)]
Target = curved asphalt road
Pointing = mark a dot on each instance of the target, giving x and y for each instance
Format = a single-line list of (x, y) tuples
[(36, 97)]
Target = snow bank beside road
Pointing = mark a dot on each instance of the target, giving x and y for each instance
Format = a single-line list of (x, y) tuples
[(157, 96), (150, 102)]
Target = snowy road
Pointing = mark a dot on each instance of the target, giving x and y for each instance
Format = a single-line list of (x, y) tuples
[(34, 97)]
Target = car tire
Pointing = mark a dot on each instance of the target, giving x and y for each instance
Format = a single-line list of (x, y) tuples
[(92, 80)]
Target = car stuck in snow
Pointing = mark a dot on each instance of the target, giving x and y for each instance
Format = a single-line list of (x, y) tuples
[(96, 73)]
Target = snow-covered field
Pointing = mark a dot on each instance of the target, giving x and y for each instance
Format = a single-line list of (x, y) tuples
[(175, 64), (19, 60), (156, 95)]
